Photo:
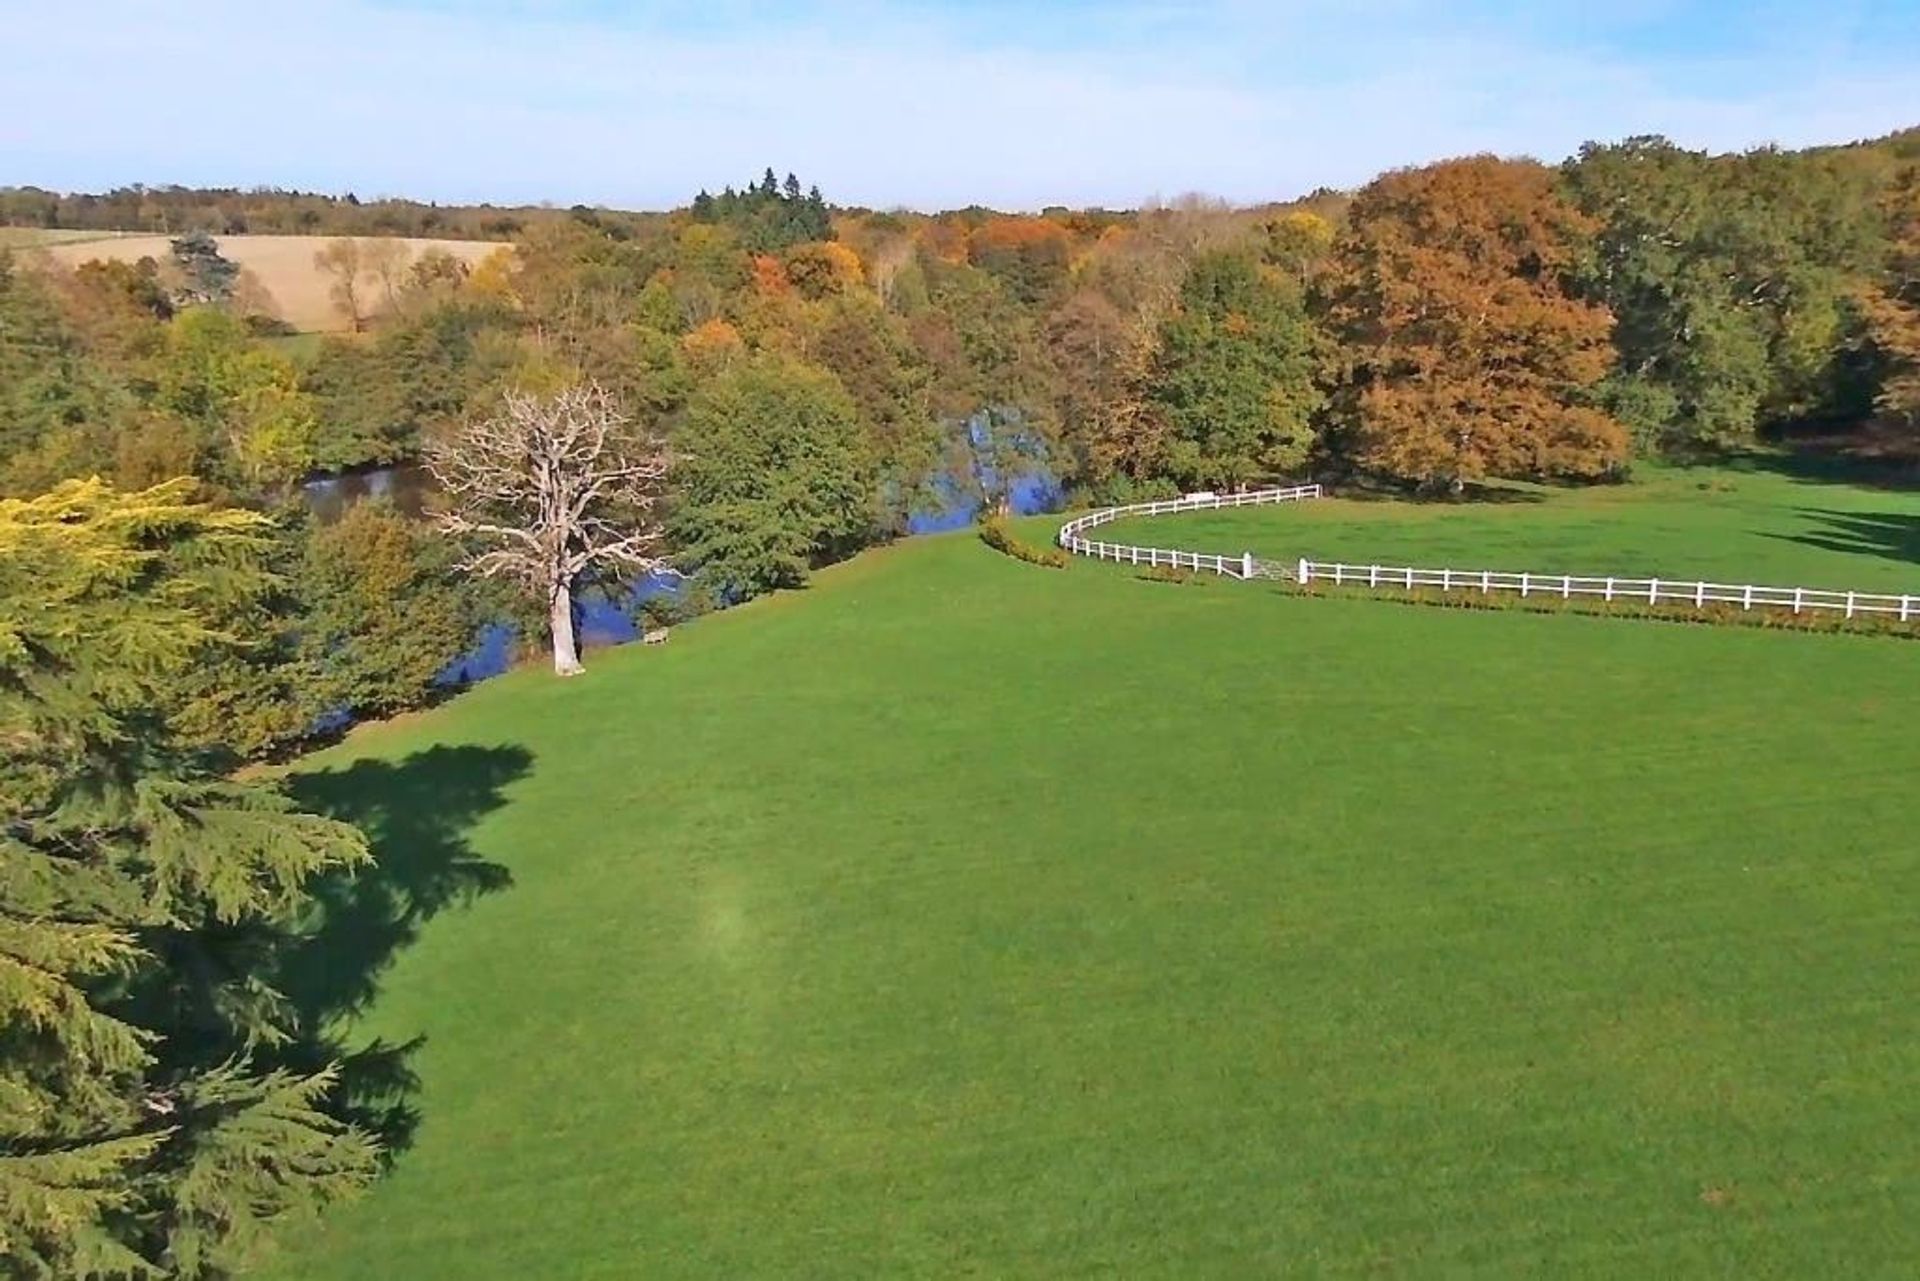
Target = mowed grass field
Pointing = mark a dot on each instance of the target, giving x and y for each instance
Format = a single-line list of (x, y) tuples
[(284, 265), (960, 917), (1768, 527)]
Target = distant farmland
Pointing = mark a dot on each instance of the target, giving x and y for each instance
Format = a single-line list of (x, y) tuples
[(284, 265)]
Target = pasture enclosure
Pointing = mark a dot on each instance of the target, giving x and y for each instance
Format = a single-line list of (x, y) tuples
[(1653, 590), (954, 918)]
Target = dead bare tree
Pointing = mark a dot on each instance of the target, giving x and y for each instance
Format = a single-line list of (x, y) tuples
[(341, 260), (556, 486)]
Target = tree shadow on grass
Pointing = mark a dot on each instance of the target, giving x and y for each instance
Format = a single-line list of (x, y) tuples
[(416, 814), (1864, 460), (1492, 492), (1894, 535)]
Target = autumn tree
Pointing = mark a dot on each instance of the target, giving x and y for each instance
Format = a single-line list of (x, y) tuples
[(553, 491), (1465, 354), (148, 908)]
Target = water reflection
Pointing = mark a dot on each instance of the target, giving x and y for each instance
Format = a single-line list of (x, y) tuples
[(609, 620)]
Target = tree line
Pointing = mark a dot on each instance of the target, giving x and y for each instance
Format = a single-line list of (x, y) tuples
[(744, 390)]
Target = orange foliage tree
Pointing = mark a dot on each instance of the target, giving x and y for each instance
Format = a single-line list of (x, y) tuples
[(712, 346), (1466, 355), (823, 268)]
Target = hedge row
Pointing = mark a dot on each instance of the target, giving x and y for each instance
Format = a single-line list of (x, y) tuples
[(1714, 614), (996, 534)]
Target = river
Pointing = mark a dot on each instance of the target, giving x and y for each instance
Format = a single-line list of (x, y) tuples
[(409, 488)]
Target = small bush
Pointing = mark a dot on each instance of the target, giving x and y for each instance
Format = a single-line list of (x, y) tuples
[(1175, 574), (996, 534)]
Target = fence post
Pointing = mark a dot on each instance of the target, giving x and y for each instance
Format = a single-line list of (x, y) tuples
[(1653, 591), (1746, 597), (1798, 592), (1305, 572), (1849, 604), (1523, 584), (1246, 566), (1609, 587), (1699, 595), (1446, 579), (1904, 602), (1566, 587), (1373, 576)]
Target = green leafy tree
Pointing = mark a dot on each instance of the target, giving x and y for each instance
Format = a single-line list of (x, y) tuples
[(145, 1129), (1728, 279), (1234, 377), (56, 401), (214, 375), (773, 478), (1893, 305), (381, 611)]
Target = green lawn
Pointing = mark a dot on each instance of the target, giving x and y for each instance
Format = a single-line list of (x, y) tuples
[(959, 917), (1736, 527)]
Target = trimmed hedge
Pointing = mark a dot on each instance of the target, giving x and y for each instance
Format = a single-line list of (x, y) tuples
[(1175, 574), (1714, 614), (996, 534)]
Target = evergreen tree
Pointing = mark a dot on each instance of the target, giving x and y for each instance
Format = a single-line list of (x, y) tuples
[(144, 903), (207, 276)]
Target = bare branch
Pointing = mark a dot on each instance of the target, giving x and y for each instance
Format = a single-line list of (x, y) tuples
[(550, 489)]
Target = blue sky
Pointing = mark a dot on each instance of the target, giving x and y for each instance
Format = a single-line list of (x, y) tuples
[(924, 103)]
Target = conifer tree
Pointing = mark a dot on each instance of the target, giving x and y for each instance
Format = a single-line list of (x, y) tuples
[(144, 901)]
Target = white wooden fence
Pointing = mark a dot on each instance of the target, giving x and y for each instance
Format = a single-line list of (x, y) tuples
[(1653, 591), (1241, 566)]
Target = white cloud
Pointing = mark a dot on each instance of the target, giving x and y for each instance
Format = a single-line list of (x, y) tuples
[(878, 104)]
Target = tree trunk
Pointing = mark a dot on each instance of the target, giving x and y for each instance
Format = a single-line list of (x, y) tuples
[(566, 655)]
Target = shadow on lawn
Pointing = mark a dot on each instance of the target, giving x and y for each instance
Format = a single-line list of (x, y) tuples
[(416, 813), (1894, 535), (1865, 459)]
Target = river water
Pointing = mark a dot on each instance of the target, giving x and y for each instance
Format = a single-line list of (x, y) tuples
[(603, 621)]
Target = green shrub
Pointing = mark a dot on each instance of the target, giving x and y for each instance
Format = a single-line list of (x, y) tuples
[(1175, 574), (996, 534), (1716, 614)]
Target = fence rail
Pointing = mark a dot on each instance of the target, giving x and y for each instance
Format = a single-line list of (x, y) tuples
[(1242, 566), (1653, 591)]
